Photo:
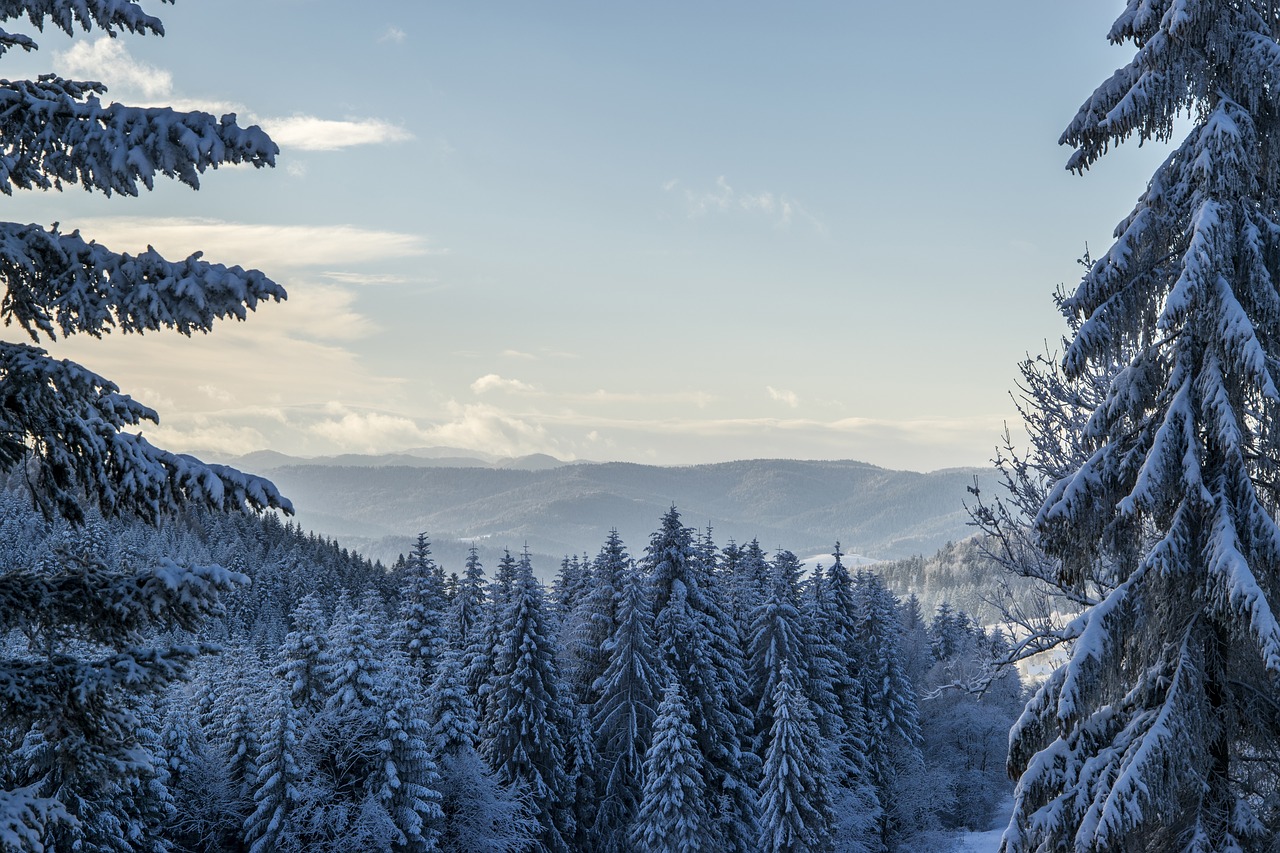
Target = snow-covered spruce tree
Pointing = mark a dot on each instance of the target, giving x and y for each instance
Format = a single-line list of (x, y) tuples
[(66, 427), (672, 815), (623, 715), (277, 796), (405, 782), (526, 720), (837, 619), (889, 699), (467, 607), (479, 813), (420, 629), (795, 799), (301, 654), (699, 647), (1161, 731), (481, 650), (595, 619), (777, 642)]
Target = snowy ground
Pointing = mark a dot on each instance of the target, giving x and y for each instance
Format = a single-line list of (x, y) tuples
[(979, 842), (985, 842)]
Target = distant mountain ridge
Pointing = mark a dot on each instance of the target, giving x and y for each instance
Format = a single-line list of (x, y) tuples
[(377, 503)]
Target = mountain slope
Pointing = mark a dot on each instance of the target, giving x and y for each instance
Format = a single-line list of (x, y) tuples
[(804, 506)]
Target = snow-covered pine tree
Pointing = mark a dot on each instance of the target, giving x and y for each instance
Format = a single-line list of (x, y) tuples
[(277, 792), (526, 720), (699, 647), (420, 630), (824, 669), (479, 813), (838, 618), (1160, 732), (238, 730), (595, 619), (404, 781), (67, 427), (795, 800), (467, 607), (672, 815), (454, 726), (303, 649), (570, 585), (778, 641), (623, 714), (481, 650), (745, 574), (889, 699)]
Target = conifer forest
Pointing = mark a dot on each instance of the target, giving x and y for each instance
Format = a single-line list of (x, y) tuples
[(184, 668)]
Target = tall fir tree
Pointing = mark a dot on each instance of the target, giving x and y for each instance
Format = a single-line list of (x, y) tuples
[(889, 700), (526, 719), (673, 815), (1160, 732), (467, 607), (595, 619), (478, 812), (624, 713), (277, 791), (777, 641), (303, 649), (796, 813), (420, 627), (699, 647)]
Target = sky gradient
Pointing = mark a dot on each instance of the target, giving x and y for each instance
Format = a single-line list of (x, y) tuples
[(665, 233)]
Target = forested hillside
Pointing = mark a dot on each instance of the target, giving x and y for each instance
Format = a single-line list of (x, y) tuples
[(687, 688)]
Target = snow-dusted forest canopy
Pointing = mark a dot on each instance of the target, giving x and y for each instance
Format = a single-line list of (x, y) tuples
[(721, 692)]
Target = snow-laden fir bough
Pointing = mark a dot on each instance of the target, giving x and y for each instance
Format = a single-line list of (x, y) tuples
[(1160, 733), (80, 777)]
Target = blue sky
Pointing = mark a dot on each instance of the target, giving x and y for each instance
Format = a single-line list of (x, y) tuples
[(661, 232)]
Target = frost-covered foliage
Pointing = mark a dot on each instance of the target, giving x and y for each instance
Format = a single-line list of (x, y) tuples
[(66, 425), (527, 722), (673, 815), (795, 801), (312, 731), (1159, 734), (420, 627), (81, 771), (698, 646)]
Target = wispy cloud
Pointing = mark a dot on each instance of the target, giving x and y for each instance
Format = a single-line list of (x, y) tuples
[(697, 398), (393, 34), (218, 395), (360, 278), (269, 247), (308, 133), (106, 60), (494, 382), (781, 209), (788, 397)]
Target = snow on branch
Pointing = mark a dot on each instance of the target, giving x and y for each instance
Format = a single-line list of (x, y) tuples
[(56, 282), (64, 423), (111, 607), (8, 40), (111, 15), (57, 132), (25, 816)]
